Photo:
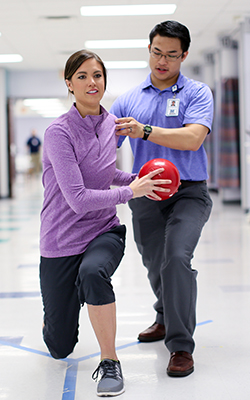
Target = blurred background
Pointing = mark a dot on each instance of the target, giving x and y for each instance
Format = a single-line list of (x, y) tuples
[(36, 38)]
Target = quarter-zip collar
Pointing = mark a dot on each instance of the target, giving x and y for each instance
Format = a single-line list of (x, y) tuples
[(89, 121)]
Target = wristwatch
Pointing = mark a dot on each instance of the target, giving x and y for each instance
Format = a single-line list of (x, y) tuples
[(147, 130)]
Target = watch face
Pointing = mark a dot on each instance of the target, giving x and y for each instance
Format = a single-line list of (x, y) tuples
[(147, 128)]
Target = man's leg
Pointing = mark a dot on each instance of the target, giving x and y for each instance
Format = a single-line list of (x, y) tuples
[(190, 212), (149, 231)]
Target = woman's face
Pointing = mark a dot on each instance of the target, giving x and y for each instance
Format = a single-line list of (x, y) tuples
[(88, 85)]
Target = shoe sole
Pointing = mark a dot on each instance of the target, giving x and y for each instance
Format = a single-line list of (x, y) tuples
[(180, 374), (109, 394), (145, 340)]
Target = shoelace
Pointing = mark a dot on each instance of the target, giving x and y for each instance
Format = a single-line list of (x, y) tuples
[(108, 368)]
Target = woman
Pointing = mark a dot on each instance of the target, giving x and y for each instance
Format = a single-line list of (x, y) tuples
[(82, 241)]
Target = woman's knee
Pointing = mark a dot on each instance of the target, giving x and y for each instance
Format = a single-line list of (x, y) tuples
[(60, 345), (92, 275), (94, 286)]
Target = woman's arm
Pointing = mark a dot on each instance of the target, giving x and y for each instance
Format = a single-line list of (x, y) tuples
[(59, 153), (123, 178)]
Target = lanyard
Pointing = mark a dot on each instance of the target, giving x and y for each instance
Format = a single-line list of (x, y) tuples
[(175, 91), (173, 104)]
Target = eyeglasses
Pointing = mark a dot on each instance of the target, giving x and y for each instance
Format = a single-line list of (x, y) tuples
[(168, 57)]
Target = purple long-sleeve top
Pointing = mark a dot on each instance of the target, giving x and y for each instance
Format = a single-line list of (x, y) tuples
[(79, 166)]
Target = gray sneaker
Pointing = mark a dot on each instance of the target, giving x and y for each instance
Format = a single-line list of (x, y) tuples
[(111, 379)]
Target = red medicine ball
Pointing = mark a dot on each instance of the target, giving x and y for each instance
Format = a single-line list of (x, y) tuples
[(170, 172)]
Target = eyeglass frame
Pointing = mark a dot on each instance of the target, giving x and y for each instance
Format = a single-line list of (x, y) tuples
[(172, 58)]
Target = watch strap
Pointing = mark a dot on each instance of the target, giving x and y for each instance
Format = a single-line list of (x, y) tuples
[(147, 130)]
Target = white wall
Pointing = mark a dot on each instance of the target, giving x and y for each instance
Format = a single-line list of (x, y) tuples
[(4, 178), (34, 84)]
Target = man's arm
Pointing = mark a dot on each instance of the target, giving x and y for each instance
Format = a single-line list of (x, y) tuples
[(189, 137)]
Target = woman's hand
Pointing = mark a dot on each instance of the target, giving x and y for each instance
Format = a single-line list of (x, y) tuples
[(129, 127), (145, 186)]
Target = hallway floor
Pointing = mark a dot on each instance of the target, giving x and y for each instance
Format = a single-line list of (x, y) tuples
[(27, 372)]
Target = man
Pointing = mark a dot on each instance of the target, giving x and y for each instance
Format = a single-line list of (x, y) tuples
[(34, 144), (169, 116)]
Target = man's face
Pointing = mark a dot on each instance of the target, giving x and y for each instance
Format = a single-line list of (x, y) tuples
[(165, 72)]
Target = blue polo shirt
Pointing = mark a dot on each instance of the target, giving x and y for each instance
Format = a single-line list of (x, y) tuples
[(148, 105)]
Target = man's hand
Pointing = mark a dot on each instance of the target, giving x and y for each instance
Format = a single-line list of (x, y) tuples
[(129, 127)]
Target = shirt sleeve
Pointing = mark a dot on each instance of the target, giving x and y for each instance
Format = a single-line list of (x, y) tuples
[(200, 107), (123, 178), (118, 111), (61, 156)]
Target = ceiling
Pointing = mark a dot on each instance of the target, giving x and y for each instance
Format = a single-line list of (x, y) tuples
[(46, 32)]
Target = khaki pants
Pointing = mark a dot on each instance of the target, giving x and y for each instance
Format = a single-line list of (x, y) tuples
[(36, 162)]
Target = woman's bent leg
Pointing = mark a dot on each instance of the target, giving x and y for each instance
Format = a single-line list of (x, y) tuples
[(61, 303), (99, 262), (103, 320)]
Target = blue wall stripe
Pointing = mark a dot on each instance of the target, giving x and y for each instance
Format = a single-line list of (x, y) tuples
[(9, 229), (14, 295), (204, 322), (11, 219)]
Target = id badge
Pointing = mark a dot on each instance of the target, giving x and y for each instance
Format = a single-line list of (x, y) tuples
[(172, 107)]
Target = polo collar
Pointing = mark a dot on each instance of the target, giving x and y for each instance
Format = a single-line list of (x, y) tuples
[(179, 85)]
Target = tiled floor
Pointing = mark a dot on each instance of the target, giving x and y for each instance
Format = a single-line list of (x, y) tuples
[(222, 366)]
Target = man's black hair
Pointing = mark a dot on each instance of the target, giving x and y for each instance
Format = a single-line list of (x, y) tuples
[(172, 29)]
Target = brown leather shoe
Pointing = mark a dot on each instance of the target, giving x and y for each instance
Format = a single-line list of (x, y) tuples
[(153, 333), (180, 364)]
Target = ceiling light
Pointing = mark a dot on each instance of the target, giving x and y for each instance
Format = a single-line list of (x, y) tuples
[(125, 64), (48, 108), (141, 9), (10, 58), (117, 44)]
